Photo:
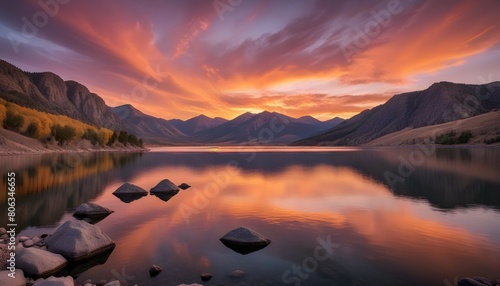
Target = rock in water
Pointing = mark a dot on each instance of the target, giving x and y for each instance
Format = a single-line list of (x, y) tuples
[(53, 281), (206, 276), (91, 212), (39, 263), (237, 274), (89, 209), (20, 280), (155, 270), (184, 186), (128, 188), (165, 187), (128, 193), (78, 240), (244, 240)]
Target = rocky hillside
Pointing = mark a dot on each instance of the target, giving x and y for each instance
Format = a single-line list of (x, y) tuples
[(442, 102)]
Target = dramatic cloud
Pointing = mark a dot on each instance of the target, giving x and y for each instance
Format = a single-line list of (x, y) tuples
[(323, 58)]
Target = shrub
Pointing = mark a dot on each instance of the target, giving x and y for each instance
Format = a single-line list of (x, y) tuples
[(13, 121), (451, 138), (91, 134), (113, 138), (63, 134), (465, 137), (123, 137), (32, 130)]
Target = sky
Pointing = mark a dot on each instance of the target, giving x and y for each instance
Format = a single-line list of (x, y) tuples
[(324, 58)]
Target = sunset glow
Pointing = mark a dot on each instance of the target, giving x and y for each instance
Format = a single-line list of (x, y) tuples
[(179, 59)]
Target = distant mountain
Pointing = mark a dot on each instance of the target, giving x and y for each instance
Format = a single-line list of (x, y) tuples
[(324, 124), (196, 124), (151, 129), (265, 128), (441, 102)]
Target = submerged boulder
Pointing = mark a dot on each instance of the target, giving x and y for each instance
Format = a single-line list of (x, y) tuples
[(165, 187), (77, 240), (90, 209), (128, 188), (244, 240), (55, 281), (39, 263), (184, 186), (91, 212)]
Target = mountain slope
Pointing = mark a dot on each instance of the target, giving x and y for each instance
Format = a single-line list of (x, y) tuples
[(152, 129), (442, 102), (196, 124), (484, 127)]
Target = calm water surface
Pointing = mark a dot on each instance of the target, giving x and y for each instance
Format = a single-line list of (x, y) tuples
[(393, 217)]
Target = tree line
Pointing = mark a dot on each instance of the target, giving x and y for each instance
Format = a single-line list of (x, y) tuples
[(45, 127)]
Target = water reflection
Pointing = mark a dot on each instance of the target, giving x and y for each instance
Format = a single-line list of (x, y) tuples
[(386, 235), (48, 185)]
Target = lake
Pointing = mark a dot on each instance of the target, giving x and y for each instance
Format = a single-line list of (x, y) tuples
[(335, 216)]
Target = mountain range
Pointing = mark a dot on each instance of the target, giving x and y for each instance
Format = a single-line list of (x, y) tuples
[(47, 92), (440, 103)]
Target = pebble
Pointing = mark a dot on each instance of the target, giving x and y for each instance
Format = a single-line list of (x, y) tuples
[(154, 270), (28, 243), (36, 239), (206, 276), (237, 274), (4, 236), (2, 231), (23, 238)]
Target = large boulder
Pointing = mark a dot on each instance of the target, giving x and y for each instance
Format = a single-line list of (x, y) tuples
[(165, 187), (19, 279), (39, 263), (55, 281), (244, 240), (128, 188), (77, 240)]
